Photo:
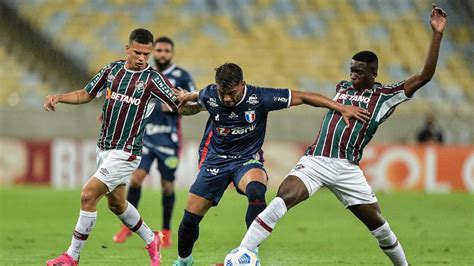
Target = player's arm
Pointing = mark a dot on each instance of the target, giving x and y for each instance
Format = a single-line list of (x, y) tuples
[(188, 102), (75, 97), (318, 100), (438, 23), (190, 108)]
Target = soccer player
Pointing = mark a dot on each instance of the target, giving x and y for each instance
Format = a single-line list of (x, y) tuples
[(230, 150), (132, 88), (161, 142), (332, 161)]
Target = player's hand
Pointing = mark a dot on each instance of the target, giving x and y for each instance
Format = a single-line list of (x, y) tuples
[(181, 94), (49, 102), (438, 19), (349, 111)]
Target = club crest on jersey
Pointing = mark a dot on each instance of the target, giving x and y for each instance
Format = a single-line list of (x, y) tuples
[(139, 86), (176, 73), (110, 77), (253, 100), (250, 116)]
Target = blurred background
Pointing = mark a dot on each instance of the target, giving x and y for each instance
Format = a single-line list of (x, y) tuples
[(55, 46)]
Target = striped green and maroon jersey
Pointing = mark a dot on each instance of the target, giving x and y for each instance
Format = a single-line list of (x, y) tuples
[(336, 140), (130, 98)]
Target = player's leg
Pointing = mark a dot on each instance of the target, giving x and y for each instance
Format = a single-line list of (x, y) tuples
[(188, 232), (130, 217), (371, 216), (206, 191), (92, 192), (356, 194), (135, 190), (253, 183), (301, 183), (291, 192), (167, 166)]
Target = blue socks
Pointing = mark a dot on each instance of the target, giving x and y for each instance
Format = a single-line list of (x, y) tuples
[(188, 233), (255, 192)]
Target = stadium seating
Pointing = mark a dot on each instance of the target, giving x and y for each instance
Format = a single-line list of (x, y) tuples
[(297, 44), (20, 85)]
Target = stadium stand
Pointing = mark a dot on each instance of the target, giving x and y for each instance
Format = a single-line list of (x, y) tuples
[(299, 44)]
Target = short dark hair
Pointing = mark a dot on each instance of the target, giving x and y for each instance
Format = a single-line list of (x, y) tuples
[(368, 57), (140, 35), (228, 75), (164, 39)]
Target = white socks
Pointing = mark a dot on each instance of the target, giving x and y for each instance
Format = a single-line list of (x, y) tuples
[(131, 218), (263, 225), (389, 244), (84, 226)]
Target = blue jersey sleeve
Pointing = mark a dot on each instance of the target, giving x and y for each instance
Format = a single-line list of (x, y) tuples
[(188, 83), (276, 99), (203, 97)]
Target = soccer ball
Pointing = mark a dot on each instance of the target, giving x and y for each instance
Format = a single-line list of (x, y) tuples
[(241, 257)]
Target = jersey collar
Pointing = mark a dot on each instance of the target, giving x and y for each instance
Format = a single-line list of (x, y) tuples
[(243, 96), (135, 71)]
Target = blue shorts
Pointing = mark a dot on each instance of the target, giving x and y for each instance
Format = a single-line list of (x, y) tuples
[(215, 176), (167, 164)]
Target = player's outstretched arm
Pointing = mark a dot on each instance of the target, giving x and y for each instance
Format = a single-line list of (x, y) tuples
[(189, 108), (318, 100), (187, 102), (75, 97), (438, 23)]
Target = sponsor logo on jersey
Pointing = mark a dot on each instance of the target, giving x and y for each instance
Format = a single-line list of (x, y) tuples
[(252, 161), (225, 131), (151, 129), (253, 100), (357, 98), (122, 97), (233, 115), (212, 102), (165, 89), (139, 86), (280, 99), (213, 171), (216, 117), (250, 116)]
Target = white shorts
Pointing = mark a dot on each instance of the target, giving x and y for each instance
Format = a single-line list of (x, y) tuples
[(115, 167), (343, 178)]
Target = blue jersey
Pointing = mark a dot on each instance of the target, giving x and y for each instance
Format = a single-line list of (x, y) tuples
[(163, 130), (239, 131)]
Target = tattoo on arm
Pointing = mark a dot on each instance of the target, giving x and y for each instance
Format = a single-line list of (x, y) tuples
[(189, 109)]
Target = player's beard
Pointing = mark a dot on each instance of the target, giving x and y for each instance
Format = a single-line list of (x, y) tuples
[(162, 66)]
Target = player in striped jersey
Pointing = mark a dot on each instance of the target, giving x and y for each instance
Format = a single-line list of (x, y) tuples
[(161, 142), (332, 161), (131, 90)]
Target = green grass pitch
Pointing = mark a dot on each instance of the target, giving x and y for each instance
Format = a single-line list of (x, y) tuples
[(36, 224)]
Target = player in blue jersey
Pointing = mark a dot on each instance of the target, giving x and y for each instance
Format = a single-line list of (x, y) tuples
[(231, 148), (161, 142)]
